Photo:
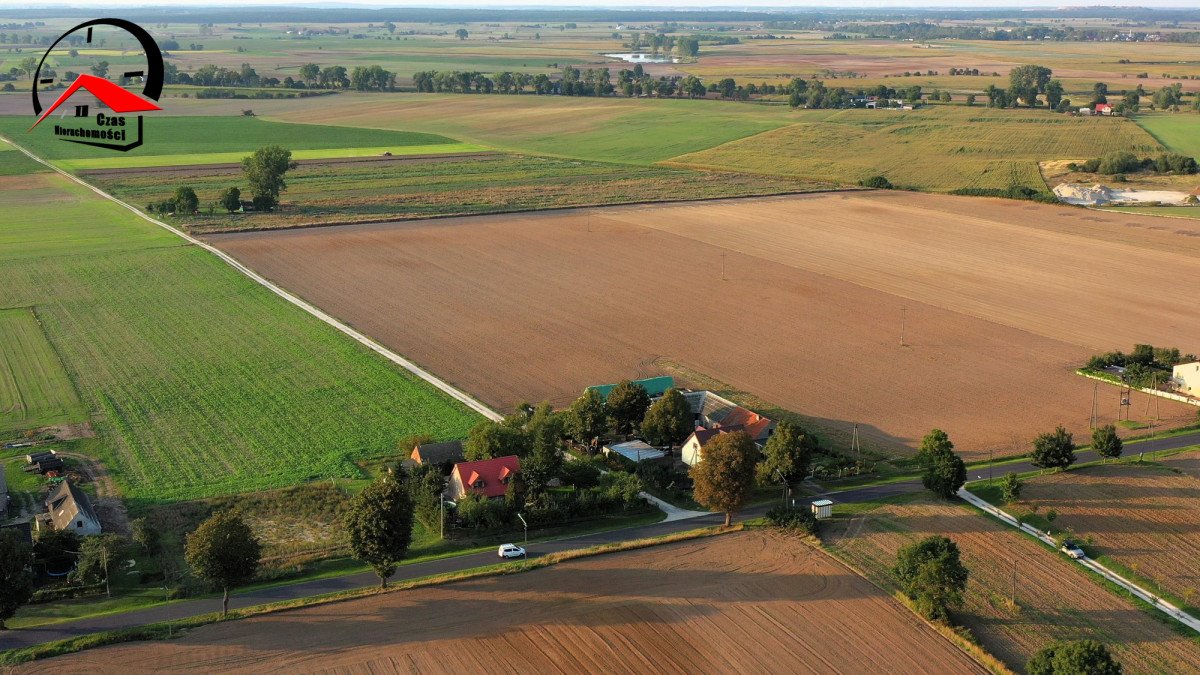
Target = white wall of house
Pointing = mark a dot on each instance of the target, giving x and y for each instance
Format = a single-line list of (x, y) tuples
[(1187, 378), (692, 452)]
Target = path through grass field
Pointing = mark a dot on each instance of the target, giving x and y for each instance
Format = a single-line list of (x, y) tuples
[(199, 381), (34, 389)]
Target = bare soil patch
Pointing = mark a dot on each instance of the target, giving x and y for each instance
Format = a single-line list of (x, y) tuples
[(800, 301), (750, 602), (1145, 517), (1055, 599)]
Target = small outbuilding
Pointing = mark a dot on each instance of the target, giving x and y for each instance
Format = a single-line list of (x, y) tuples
[(444, 455), (635, 451), (823, 508)]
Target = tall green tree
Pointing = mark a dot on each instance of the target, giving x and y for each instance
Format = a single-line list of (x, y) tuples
[(380, 522), (1053, 450), (934, 444), (945, 474), (669, 420), (1026, 82), (932, 575), (587, 419), (1010, 487), (626, 406), (786, 453), (489, 439), (186, 201), (544, 461), (224, 552), (309, 72), (1083, 657), (461, 34), (97, 556), (264, 172), (1106, 442), (231, 199), (16, 573), (723, 478)]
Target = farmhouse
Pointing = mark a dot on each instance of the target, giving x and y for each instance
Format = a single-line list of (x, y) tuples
[(439, 454), (693, 447), (1186, 377), (712, 411), (1103, 109), (488, 477), (68, 508)]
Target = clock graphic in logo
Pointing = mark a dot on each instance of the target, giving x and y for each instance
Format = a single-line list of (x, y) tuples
[(138, 85)]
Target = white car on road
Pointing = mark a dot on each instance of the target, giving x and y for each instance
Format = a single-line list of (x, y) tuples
[(1073, 551), (511, 551)]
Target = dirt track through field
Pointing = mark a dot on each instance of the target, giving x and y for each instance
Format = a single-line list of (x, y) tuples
[(997, 307), (747, 602)]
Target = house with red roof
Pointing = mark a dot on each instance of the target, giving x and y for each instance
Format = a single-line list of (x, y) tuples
[(1103, 109), (487, 477)]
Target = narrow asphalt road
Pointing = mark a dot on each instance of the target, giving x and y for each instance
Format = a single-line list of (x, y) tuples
[(183, 609)]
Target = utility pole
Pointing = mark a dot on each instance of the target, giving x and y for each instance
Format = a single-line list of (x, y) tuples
[(1095, 413), (903, 324), (1013, 599), (526, 527), (589, 221), (722, 265), (991, 461), (442, 518)]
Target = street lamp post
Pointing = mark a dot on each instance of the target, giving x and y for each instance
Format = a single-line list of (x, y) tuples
[(526, 527)]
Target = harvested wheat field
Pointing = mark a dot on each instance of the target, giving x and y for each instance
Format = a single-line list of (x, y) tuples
[(1147, 518), (1056, 600), (746, 602), (998, 303)]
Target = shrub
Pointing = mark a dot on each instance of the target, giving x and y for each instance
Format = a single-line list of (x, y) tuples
[(877, 182), (795, 519)]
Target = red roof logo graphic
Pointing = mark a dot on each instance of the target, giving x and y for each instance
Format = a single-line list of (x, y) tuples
[(108, 93)]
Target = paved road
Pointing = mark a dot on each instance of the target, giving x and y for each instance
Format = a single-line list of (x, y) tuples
[(183, 609)]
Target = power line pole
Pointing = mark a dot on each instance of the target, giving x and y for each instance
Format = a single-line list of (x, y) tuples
[(1013, 600), (722, 265), (1095, 421), (903, 324)]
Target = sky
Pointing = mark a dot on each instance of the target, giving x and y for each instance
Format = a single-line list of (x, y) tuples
[(685, 4)]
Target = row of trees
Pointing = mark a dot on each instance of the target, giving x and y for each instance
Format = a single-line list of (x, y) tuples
[(1123, 161), (361, 78), (264, 170)]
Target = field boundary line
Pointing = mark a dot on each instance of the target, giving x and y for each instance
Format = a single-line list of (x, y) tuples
[(446, 388), (530, 211), (1109, 575)]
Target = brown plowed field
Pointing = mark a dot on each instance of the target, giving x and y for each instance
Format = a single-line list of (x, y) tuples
[(1000, 302), (1145, 518), (748, 602), (1055, 598)]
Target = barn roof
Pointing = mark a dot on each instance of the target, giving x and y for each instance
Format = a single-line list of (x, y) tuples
[(66, 502), (438, 453), (655, 386)]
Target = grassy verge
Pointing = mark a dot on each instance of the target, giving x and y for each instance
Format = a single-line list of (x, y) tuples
[(166, 630)]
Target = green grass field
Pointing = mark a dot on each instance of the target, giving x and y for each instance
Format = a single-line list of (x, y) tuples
[(1170, 211), (940, 148), (203, 136), (1179, 131), (631, 131), (471, 185), (34, 389), (122, 162), (198, 381)]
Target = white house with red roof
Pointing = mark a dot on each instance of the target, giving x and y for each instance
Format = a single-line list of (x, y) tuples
[(487, 477), (1103, 109)]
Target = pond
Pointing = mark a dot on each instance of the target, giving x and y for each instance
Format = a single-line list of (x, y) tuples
[(642, 58)]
